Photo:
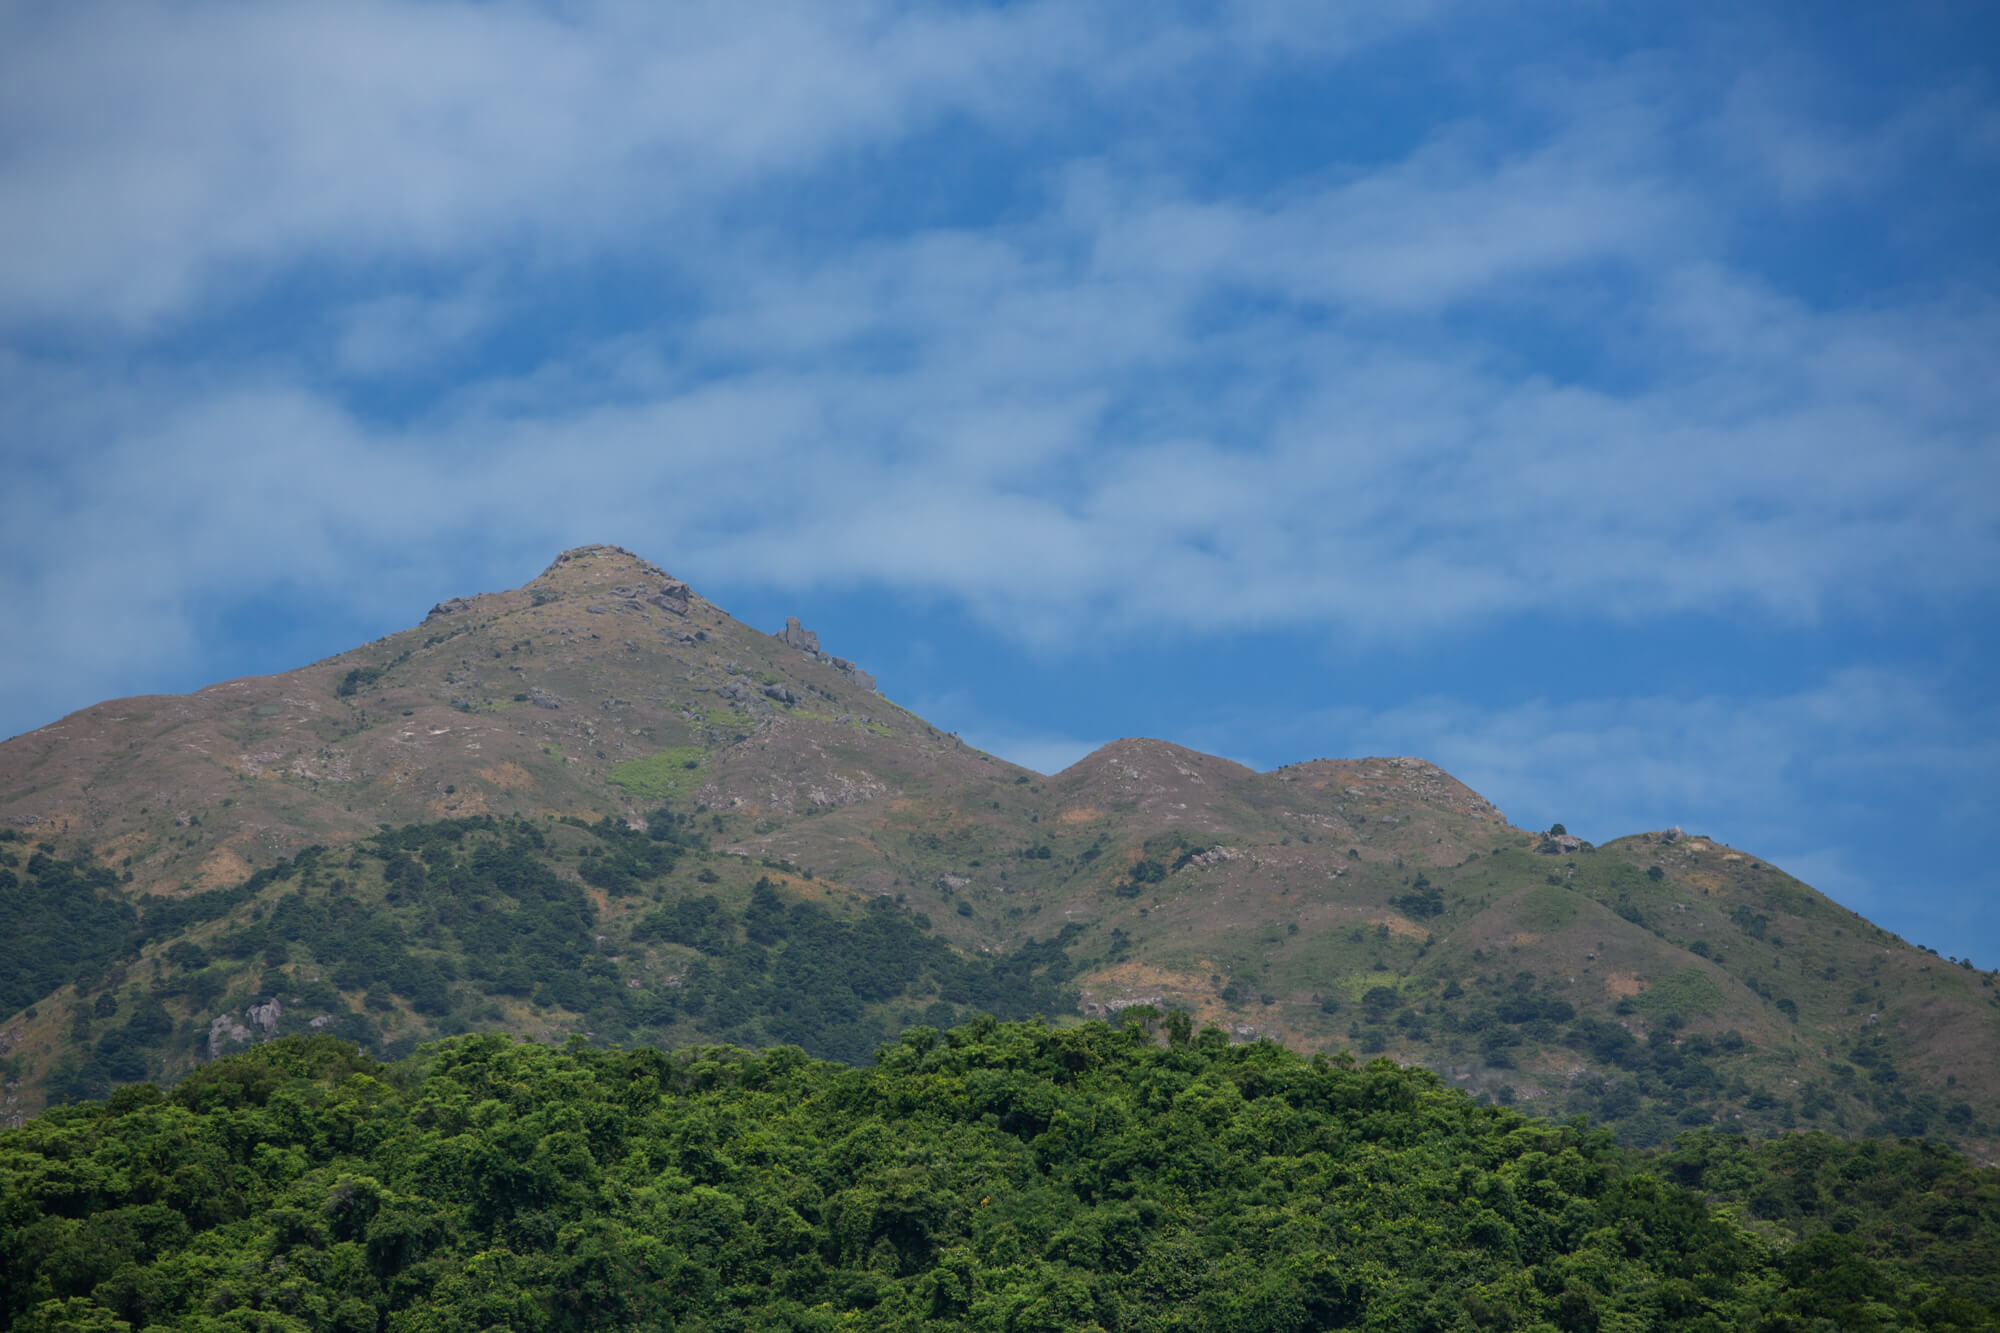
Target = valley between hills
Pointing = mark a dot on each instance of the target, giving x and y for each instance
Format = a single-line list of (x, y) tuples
[(599, 805)]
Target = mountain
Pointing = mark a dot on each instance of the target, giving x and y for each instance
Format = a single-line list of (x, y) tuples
[(598, 804)]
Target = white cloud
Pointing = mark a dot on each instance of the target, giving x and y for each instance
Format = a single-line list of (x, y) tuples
[(156, 160), (1777, 122), (1047, 449), (402, 334), (1014, 308)]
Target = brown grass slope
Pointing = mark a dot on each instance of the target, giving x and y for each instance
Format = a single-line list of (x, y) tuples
[(1371, 902)]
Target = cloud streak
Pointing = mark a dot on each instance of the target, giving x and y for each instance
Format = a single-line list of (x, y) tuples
[(1106, 324)]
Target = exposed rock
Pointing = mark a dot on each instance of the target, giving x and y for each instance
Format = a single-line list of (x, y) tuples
[(450, 606), (321, 1021), (1213, 856), (223, 1030), (845, 790), (795, 635), (673, 596), (780, 694), (798, 636), (854, 673), (266, 1015)]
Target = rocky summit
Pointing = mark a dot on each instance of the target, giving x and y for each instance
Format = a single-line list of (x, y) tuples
[(598, 804)]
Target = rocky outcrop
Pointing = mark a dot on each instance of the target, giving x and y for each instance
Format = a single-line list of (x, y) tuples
[(795, 635), (853, 672), (673, 595), (223, 1030), (1213, 856), (798, 636), (449, 607)]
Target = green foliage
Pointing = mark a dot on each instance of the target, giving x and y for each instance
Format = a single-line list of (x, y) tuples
[(358, 679), (1859, 1212), (993, 1177), (1686, 994), (65, 922), (1423, 901), (795, 974), (432, 929), (662, 775)]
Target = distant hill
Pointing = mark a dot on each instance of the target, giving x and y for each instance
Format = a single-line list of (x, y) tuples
[(598, 804)]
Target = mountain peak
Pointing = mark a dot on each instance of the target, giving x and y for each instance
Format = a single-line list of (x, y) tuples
[(1376, 899), (599, 562), (608, 572)]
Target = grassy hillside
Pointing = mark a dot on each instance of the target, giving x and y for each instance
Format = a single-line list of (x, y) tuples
[(540, 929), (174, 860)]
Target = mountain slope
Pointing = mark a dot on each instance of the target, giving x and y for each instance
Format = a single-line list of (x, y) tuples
[(1659, 981)]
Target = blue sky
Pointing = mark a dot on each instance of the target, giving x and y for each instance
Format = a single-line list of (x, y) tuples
[(1598, 400)]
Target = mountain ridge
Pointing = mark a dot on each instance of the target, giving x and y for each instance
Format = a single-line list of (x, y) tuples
[(1374, 903)]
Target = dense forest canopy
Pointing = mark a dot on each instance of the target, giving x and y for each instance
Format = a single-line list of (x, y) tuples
[(996, 1176)]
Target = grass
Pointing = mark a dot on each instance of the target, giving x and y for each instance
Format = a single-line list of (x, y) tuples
[(1546, 909), (663, 774), (1689, 993)]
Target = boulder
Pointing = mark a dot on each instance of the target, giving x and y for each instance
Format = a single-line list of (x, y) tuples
[(673, 596), (798, 636), (223, 1030)]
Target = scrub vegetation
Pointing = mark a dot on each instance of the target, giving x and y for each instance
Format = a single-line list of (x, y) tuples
[(996, 1176)]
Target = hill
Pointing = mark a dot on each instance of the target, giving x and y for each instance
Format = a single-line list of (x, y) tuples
[(994, 1177), (599, 804)]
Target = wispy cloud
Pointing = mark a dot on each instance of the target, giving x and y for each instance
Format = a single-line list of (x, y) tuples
[(157, 159), (1109, 322)]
